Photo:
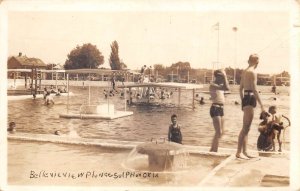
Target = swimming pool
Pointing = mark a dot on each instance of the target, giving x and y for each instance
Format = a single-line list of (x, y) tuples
[(31, 116)]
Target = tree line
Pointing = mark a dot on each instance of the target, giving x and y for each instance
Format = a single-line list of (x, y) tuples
[(89, 56)]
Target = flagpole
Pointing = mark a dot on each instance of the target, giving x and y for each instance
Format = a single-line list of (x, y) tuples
[(216, 27), (218, 47), (235, 54)]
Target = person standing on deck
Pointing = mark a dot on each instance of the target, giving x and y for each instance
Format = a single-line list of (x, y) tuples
[(216, 90), (113, 82), (141, 79), (249, 95)]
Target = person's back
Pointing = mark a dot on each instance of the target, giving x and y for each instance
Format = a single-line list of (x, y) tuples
[(248, 78)]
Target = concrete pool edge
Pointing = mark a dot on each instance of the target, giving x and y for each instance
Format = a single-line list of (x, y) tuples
[(230, 172)]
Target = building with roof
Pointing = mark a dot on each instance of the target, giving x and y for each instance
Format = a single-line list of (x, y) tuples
[(23, 62)]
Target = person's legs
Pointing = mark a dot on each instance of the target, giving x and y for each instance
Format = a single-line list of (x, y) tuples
[(279, 141), (217, 122), (222, 125), (274, 133), (243, 136)]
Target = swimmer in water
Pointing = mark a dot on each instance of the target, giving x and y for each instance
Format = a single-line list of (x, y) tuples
[(57, 132), (174, 133), (49, 99), (202, 101), (12, 127)]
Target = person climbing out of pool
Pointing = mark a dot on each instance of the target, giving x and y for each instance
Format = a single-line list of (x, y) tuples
[(216, 90), (277, 124), (11, 127), (174, 134), (249, 95)]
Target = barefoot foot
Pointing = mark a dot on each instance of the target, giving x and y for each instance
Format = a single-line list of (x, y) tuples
[(249, 156)]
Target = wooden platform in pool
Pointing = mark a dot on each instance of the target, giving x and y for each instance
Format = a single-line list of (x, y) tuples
[(117, 114)]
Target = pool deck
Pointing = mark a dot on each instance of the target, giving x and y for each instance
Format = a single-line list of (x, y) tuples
[(270, 170)]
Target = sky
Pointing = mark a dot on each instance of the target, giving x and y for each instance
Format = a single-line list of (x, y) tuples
[(162, 34)]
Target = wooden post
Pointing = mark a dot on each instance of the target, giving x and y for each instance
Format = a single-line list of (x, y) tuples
[(40, 82), (130, 94), (193, 102), (14, 79), (56, 80), (26, 81), (68, 93), (125, 97), (35, 81), (32, 78), (179, 94)]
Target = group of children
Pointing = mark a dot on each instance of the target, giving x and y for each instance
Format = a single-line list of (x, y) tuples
[(271, 127)]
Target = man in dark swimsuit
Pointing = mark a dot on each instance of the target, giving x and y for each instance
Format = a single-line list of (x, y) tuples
[(249, 95), (248, 99)]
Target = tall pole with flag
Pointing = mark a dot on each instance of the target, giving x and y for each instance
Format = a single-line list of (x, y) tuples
[(217, 28), (235, 29)]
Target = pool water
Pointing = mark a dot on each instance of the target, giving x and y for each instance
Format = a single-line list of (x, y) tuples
[(32, 116)]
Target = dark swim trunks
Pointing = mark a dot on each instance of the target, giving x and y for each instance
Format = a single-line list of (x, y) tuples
[(216, 110), (176, 135), (249, 99)]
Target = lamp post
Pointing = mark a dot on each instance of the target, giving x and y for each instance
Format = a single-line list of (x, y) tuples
[(177, 71), (235, 29)]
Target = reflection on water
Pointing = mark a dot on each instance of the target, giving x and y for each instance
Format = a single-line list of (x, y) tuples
[(146, 122)]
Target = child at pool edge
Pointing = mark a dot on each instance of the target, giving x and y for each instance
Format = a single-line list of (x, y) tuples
[(174, 133), (278, 125)]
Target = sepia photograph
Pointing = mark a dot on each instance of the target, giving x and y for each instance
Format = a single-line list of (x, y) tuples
[(149, 95)]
